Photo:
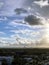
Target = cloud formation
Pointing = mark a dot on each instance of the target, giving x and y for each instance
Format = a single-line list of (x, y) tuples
[(27, 30), (42, 3), (33, 20)]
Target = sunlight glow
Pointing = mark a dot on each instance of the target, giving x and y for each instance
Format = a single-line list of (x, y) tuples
[(46, 35)]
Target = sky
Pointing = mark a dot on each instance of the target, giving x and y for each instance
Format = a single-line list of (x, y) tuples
[(15, 29)]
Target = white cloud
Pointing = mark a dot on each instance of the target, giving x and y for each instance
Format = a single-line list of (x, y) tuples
[(21, 31), (41, 3), (31, 39), (16, 39), (30, 33), (42, 20), (21, 40), (14, 23), (26, 41), (7, 40)]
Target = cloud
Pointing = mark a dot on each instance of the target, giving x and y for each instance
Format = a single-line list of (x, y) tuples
[(25, 41), (32, 30), (14, 23), (37, 9), (10, 6), (7, 40), (29, 34), (33, 20), (22, 41), (41, 3), (20, 10), (21, 31), (40, 9), (27, 37)]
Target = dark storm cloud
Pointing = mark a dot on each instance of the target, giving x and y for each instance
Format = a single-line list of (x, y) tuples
[(20, 10), (33, 20)]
